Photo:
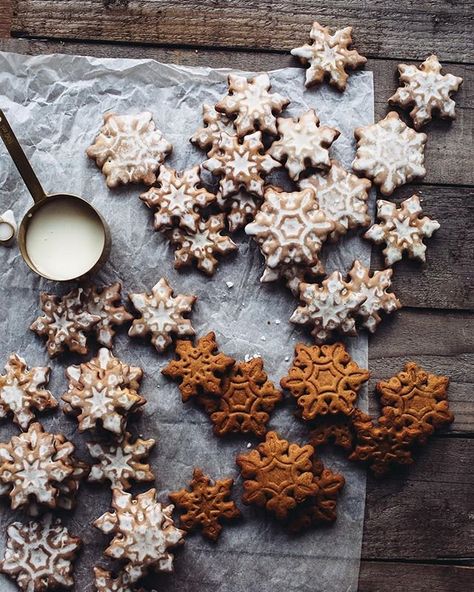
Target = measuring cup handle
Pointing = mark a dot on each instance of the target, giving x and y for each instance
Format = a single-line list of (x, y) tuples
[(20, 160)]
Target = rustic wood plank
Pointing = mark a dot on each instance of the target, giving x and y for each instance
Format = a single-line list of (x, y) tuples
[(442, 342), (424, 512), (381, 576), (6, 12), (450, 149), (382, 29)]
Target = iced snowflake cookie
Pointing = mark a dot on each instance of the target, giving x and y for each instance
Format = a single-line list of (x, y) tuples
[(390, 153), (289, 228), (105, 581), (199, 368), (214, 123), (277, 475), (239, 209), (121, 462), (293, 275), (303, 143), (203, 245), (253, 106), (177, 199), (328, 55), (144, 533), (32, 465), (129, 149), (64, 323), (342, 196), (426, 90), (324, 380), (402, 228), (205, 504), (40, 555), (162, 314), (22, 391), (240, 164), (103, 391)]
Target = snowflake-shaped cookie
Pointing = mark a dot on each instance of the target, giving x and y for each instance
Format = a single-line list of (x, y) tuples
[(416, 401), (342, 196), (427, 90), (144, 532), (252, 104), (277, 475), (103, 390), (67, 489), (199, 368), (324, 380), (205, 504), (293, 275), (129, 149), (40, 555), (214, 123), (303, 143), (241, 165), (162, 314), (328, 307), (106, 304), (390, 153), (289, 228), (177, 199), (31, 466), (248, 398), (22, 390), (374, 289), (402, 228), (203, 245), (64, 323), (120, 462), (240, 209), (328, 56)]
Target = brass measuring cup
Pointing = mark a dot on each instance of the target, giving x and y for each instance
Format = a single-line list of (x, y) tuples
[(62, 237)]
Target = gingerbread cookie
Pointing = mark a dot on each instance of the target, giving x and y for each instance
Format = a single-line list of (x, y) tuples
[(328, 307), (390, 153), (289, 228), (22, 391), (328, 56), (214, 123), (248, 396), (252, 105), (106, 303), (325, 380), (427, 90), (374, 288), (203, 245), (103, 390), (31, 467), (342, 197), (121, 461), (303, 143), (144, 533), (416, 401), (104, 581), (64, 323), (402, 228), (240, 209), (68, 489), (277, 475), (293, 275), (177, 199), (162, 314), (39, 556), (199, 368), (240, 164), (129, 149), (205, 504), (332, 429)]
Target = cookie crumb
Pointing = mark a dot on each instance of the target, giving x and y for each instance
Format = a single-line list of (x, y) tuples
[(229, 284), (277, 321), (263, 338)]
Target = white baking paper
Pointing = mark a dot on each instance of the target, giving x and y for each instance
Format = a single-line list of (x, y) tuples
[(55, 105)]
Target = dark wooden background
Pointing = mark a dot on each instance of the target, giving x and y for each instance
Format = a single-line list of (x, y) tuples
[(418, 532)]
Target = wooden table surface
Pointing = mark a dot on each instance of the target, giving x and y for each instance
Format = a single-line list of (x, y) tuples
[(418, 532)]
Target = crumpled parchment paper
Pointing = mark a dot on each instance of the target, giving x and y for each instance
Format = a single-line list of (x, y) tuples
[(55, 106)]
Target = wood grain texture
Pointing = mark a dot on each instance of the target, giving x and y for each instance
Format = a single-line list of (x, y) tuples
[(440, 341), (378, 576), (6, 13), (381, 29)]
